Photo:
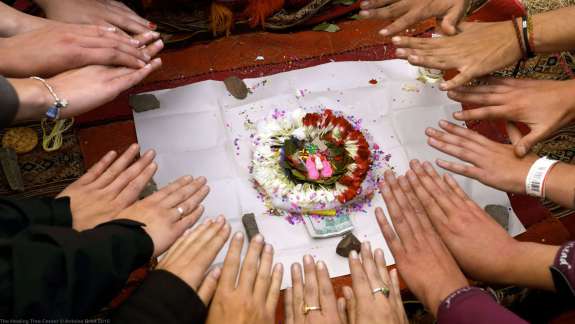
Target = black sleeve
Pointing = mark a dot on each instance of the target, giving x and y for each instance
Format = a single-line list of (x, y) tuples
[(57, 272), (162, 298), (17, 215), (9, 103)]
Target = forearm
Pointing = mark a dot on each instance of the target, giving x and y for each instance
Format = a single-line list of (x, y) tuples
[(554, 31), (14, 22), (560, 185)]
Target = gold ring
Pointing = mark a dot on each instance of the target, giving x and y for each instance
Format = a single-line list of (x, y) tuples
[(308, 309), (384, 290)]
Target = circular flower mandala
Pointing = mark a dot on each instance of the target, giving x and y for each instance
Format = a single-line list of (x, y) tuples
[(311, 162)]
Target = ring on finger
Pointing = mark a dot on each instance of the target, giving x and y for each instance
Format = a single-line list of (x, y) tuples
[(181, 211), (383, 290), (308, 309)]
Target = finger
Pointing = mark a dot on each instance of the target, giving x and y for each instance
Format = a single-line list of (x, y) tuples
[(232, 263), (436, 215), (484, 113), (298, 292), (401, 225), (119, 165), (415, 42), (327, 298), (250, 266), (162, 194), (454, 186), (178, 249), (483, 99), (381, 267), (374, 4), (414, 202), (274, 288), (132, 191), (403, 203), (524, 145), (311, 289), (98, 169), (129, 174), (360, 283), (189, 220), (126, 23), (469, 171), (460, 79), (106, 31), (464, 132), (441, 184), (341, 310), (130, 49), (209, 285), (288, 307), (351, 304), (370, 269), (183, 192), (389, 12), (513, 132), (147, 37), (406, 20), (451, 20), (394, 243), (203, 255), (263, 278), (132, 14), (110, 57), (396, 293), (433, 188), (128, 80), (428, 61), (153, 49)]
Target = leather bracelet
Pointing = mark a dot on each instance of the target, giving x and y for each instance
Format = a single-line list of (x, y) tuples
[(525, 31)]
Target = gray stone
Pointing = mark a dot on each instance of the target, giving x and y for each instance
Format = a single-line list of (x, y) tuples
[(144, 102), (236, 87), (348, 244), (250, 224), (499, 213), (9, 161)]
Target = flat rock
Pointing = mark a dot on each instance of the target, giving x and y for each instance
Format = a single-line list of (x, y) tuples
[(348, 243), (9, 161), (236, 87), (250, 224), (499, 213), (144, 102)]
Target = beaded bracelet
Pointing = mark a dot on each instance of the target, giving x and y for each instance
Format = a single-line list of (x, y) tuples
[(53, 112)]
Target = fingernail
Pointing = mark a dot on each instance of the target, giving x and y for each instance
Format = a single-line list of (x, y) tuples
[(134, 41), (208, 221), (353, 254), (364, 13), (308, 259), (379, 253), (111, 29), (151, 25), (395, 39), (321, 265), (188, 178), (400, 52), (413, 58), (268, 248), (443, 86), (279, 267), (216, 273), (202, 179), (239, 236), (142, 63), (364, 4), (384, 32), (147, 57), (366, 246), (444, 123), (220, 219), (159, 43), (258, 238), (522, 150), (411, 175)]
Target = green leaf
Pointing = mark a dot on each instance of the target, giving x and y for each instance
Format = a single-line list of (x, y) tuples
[(354, 17), (326, 27)]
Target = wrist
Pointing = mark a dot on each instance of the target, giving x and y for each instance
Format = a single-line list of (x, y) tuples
[(435, 300), (518, 183), (34, 99), (529, 265)]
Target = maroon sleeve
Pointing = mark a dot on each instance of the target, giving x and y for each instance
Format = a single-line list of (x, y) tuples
[(474, 306), (563, 270)]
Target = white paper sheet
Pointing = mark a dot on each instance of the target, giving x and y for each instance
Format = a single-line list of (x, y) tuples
[(202, 130)]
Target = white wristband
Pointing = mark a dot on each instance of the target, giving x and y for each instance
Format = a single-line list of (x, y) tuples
[(535, 181)]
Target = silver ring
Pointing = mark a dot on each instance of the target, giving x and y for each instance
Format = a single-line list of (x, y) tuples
[(180, 211), (384, 290)]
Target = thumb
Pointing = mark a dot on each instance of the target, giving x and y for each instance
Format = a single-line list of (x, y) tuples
[(208, 287), (524, 145), (513, 132), (451, 20)]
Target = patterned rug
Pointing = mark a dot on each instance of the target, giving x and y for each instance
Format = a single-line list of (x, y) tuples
[(46, 173)]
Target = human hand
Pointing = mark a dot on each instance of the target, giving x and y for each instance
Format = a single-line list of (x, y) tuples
[(169, 212), (253, 300), (493, 164), (483, 249), (106, 13), (409, 12), (192, 254), (361, 304), (479, 49), (111, 185), (521, 101), (316, 291), (423, 260), (62, 47)]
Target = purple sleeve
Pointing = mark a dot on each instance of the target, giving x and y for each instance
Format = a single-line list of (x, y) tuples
[(474, 305), (563, 270)]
